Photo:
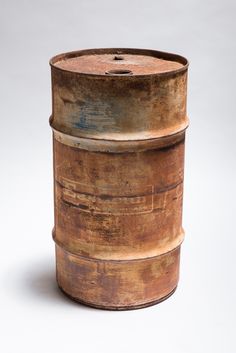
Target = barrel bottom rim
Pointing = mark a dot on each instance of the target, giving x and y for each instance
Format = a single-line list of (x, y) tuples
[(117, 308)]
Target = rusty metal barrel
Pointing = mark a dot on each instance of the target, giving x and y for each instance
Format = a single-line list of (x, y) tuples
[(119, 121)]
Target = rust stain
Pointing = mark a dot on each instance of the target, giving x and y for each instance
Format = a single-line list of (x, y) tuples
[(119, 121), (100, 64)]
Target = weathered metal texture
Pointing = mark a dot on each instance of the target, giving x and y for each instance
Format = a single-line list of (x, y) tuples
[(118, 128)]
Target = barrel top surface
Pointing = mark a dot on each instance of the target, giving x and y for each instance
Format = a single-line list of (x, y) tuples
[(119, 62)]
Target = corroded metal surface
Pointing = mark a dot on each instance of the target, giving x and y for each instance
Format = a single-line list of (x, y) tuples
[(118, 174), (117, 284)]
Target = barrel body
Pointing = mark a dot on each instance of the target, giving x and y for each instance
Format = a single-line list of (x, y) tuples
[(118, 176)]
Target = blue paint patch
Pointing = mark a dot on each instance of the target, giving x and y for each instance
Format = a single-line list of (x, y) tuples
[(96, 116), (85, 121)]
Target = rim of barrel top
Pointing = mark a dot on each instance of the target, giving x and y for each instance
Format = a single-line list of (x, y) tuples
[(138, 51)]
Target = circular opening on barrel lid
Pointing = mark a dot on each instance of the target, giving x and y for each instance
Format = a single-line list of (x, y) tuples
[(119, 72), (118, 57)]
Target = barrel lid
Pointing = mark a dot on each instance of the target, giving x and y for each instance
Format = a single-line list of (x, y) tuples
[(119, 62)]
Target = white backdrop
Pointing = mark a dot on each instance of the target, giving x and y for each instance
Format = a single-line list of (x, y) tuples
[(35, 316)]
